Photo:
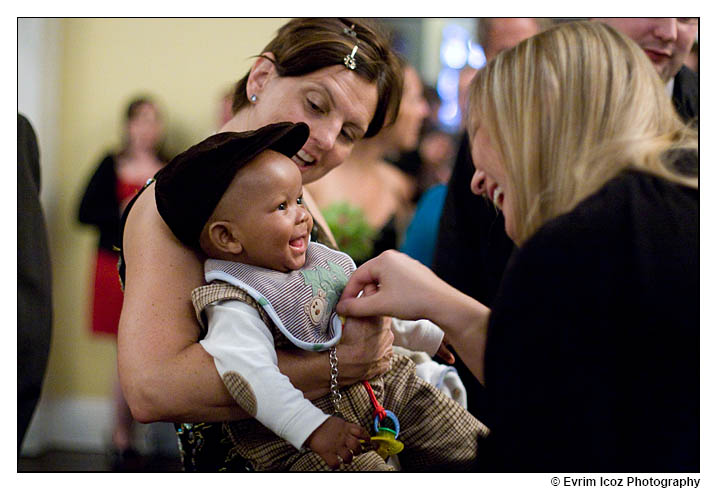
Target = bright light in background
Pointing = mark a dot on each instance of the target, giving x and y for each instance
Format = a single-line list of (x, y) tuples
[(454, 53), (449, 113), (476, 57), (457, 50), (447, 83)]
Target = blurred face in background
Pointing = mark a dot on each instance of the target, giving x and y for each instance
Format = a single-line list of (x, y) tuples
[(145, 128), (506, 32), (413, 111), (665, 40)]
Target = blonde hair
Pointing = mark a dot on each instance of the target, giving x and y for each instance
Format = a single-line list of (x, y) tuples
[(569, 109)]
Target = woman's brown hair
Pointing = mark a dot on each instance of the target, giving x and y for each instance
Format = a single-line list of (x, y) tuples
[(304, 46)]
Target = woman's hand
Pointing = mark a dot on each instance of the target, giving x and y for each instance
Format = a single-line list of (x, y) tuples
[(392, 284), (402, 287), (364, 351)]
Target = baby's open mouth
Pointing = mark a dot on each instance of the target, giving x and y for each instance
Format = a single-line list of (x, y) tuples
[(298, 242)]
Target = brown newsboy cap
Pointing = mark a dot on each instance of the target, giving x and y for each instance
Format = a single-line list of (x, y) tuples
[(188, 189)]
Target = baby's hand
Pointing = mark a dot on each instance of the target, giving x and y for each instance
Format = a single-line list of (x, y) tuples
[(445, 354), (337, 441)]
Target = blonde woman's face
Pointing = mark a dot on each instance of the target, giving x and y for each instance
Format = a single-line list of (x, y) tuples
[(490, 178)]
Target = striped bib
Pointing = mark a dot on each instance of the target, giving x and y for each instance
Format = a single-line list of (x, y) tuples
[(300, 303)]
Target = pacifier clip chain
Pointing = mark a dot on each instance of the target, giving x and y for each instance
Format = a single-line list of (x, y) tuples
[(333, 379)]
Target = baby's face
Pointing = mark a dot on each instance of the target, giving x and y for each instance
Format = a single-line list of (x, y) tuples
[(265, 201)]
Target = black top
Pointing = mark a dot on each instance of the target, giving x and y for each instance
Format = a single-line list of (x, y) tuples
[(592, 362), (99, 205)]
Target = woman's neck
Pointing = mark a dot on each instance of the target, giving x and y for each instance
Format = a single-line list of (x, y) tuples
[(239, 122), (365, 153), (133, 153)]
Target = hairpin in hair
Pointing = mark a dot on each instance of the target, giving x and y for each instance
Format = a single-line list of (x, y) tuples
[(349, 60), (349, 31)]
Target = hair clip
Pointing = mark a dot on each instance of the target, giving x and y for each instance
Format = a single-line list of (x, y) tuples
[(349, 31), (349, 60)]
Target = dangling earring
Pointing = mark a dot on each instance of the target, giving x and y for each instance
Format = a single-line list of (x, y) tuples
[(253, 98)]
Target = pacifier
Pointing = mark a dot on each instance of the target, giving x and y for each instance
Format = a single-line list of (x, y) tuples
[(385, 437)]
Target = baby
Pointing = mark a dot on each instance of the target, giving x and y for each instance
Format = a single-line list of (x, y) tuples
[(270, 287)]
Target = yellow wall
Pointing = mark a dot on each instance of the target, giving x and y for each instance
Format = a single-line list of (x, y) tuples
[(186, 64)]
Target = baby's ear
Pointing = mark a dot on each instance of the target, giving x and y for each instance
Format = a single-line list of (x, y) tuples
[(224, 236)]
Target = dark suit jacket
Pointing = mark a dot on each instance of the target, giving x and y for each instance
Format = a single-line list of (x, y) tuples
[(686, 94)]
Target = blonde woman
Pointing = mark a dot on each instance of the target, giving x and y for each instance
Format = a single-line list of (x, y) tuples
[(590, 353)]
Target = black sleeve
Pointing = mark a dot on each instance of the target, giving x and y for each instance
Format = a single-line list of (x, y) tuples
[(34, 280), (99, 205)]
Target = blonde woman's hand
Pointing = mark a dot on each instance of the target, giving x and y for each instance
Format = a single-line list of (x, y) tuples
[(404, 288), (398, 286)]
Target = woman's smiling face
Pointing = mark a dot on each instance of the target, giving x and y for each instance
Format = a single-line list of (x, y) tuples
[(490, 178), (335, 102)]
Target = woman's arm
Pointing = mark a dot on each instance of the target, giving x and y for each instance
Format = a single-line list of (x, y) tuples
[(409, 290), (165, 373)]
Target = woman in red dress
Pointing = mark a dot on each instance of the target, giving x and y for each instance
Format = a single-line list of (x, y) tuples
[(115, 181)]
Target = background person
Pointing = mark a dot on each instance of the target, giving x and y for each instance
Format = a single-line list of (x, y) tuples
[(34, 280), (114, 182), (667, 41), (343, 95), (590, 353)]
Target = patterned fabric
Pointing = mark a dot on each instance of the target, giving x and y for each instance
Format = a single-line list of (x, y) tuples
[(206, 447), (437, 433), (242, 392), (300, 303), (207, 294)]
